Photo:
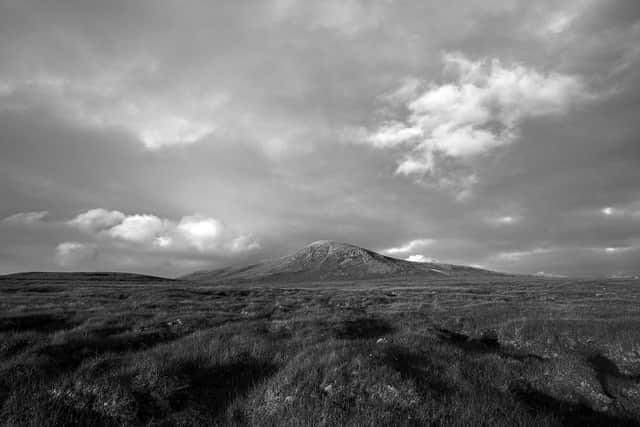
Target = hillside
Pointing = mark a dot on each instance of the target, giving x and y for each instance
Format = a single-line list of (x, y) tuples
[(329, 260), (71, 277)]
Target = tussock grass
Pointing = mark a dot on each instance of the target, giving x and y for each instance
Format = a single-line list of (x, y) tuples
[(527, 353)]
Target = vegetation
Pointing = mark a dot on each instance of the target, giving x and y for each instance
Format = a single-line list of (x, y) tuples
[(532, 352)]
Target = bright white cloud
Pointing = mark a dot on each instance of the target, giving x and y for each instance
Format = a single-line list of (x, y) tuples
[(150, 232), (71, 254), (210, 234), (392, 134), (481, 109), (410, 246), (411, 165), (26, 218), (163, 241), (420, 258), (203, 233), (170, 130), (139, 228), (96, 220)]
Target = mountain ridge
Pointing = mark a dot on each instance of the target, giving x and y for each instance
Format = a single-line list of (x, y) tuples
[(330, 260)]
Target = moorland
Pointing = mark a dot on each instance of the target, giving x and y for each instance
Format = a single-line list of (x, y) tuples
[(109, 350)]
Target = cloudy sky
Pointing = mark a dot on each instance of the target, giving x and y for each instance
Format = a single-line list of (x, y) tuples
[(165, 136)]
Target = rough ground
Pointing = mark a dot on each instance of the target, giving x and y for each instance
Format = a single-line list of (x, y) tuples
[(101, 351)]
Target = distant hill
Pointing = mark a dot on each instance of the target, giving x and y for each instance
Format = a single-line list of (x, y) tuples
[(329, 260), (67, 277)]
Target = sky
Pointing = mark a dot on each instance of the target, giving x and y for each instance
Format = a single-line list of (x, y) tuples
[(166, 136)]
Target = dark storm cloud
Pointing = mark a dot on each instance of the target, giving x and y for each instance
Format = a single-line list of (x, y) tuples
[(250, 120)]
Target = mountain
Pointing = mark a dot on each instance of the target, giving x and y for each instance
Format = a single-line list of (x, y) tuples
[(326, 260)]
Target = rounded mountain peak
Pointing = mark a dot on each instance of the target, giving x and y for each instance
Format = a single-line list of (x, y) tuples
[(327, 250), (329, 243), (332, 247)]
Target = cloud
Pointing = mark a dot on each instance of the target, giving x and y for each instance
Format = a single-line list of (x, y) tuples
[(630, 210), (107, 101), (479, 110), (26, 218), (517, 255), (170, 130), (210, 234), (348, 17), (393, 134), (152, 233), (72, 254), (407, 91), (556, 24), (420, 258), (203, 232), (96, 220), (410, 246), (503, 220), (142, 229), (613, 250)]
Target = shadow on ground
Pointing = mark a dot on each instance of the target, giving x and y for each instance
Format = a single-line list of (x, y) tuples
[(487, 343), (211, 389), (571, 414), (36, 322), (430, 382), (363, 328), (69, 355)]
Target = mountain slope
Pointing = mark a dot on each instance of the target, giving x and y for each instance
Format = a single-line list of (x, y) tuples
[(329, 260)]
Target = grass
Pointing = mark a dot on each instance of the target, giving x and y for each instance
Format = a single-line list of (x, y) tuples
[(506, 352)]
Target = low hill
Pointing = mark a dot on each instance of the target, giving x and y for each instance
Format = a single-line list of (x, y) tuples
[(329, 260), (70, 277)]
